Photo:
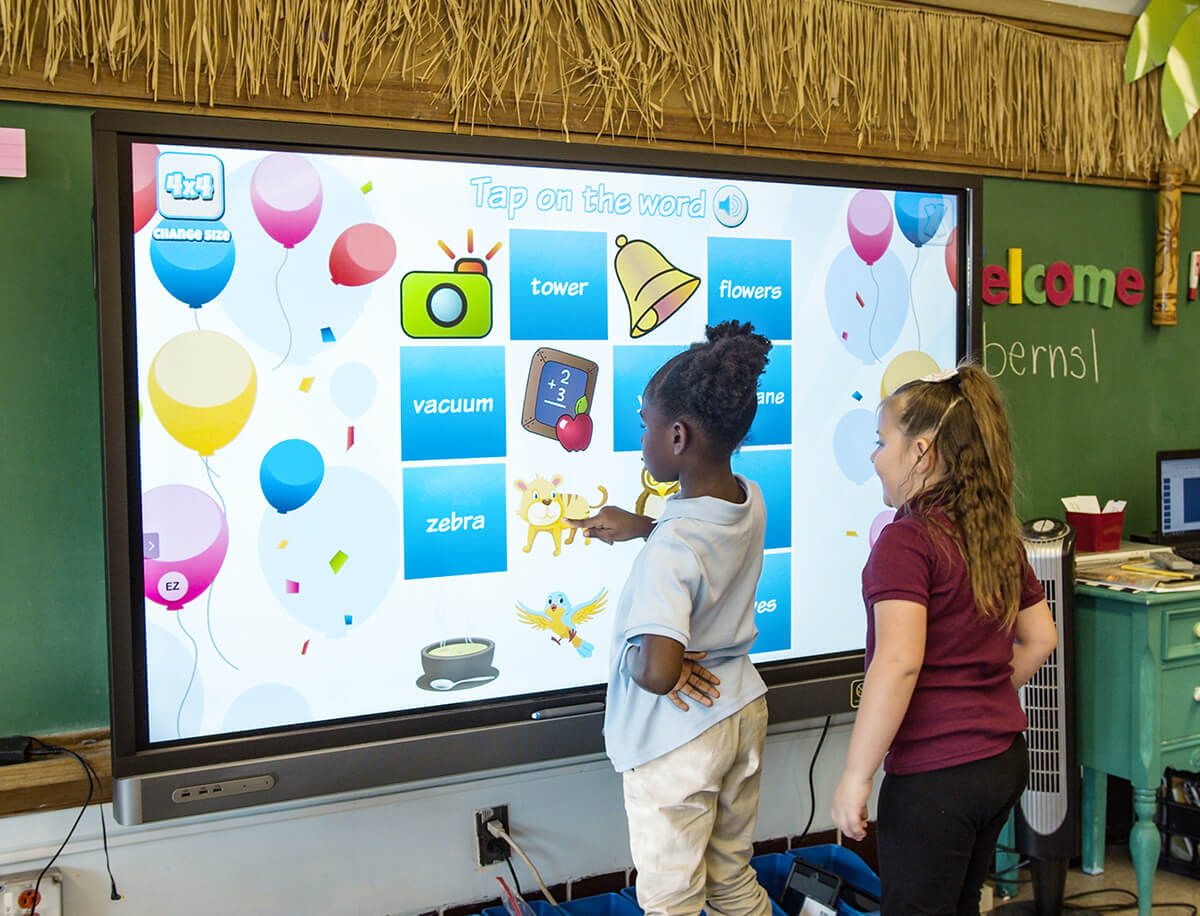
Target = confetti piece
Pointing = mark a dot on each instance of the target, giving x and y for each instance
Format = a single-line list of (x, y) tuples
[(292, 586), (446, 248), (861, 304), (337, 561), (349, 618), (367, 188), (851, 534), (282, 544), (857, 395), (306, 383), (304, 648), (349, 437), (845, 336), (327, 335)]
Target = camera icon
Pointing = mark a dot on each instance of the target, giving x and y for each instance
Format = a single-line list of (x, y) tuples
[(447, 304)]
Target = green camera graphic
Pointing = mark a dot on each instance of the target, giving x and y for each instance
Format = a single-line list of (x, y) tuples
[(441, 304)]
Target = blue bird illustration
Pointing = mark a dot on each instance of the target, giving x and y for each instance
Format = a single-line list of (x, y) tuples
[(562, 619)]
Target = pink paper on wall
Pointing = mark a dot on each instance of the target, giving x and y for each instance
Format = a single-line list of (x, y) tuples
[(12, 152)]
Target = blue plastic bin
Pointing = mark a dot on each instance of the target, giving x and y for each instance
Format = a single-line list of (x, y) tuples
[(772, 870), (601, 905), (852, 869), (539, 907), (631, 893)]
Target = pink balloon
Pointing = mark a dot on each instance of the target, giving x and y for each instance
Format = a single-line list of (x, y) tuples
[(361, 254), (952, 257), (869, 220), (882, 520), (285, 191), (184, 539), (145, 183)]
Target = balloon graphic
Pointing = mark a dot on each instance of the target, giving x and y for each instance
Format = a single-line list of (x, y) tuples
[(264, 705), (184, 538), (909, 365), (869, 221), (882, 520), (361, 255), (919, 215), (191, 269), (952, 257), (202, 387), (290, 473), (145, 183), (853, 442), (866, 305), (286, 194)]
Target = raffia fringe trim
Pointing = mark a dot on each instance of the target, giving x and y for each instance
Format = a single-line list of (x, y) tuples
[(918, 78)]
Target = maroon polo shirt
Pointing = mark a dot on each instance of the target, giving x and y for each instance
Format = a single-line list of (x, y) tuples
[(964, 706)]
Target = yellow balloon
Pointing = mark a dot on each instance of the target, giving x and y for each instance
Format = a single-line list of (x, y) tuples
[(202, 387), (907, 366)]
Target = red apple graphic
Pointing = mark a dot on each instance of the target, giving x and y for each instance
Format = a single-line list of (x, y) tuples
[(575, 432)]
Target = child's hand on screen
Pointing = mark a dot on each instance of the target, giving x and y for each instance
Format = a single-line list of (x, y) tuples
[(695, 682), (611, 524)]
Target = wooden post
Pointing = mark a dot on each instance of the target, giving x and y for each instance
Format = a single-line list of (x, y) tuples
[(1166, 247)]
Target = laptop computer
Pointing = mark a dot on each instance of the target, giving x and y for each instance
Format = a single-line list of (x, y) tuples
[(1178, 492)]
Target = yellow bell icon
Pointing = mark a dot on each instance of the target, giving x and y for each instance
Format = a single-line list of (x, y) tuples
[(654, 287)]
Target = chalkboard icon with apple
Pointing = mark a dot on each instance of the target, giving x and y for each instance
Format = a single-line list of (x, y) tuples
[(558, 396)]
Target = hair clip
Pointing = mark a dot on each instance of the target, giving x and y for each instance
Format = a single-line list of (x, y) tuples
[(944, 376)]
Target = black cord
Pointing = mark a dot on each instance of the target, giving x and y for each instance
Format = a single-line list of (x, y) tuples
[(812, 791), (90, 773), (512, 871), (1116, 907)]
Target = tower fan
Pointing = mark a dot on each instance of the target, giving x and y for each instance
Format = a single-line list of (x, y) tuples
[(1047, 816)]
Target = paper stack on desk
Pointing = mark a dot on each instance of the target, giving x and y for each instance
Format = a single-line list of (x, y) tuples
[(1095, 528)]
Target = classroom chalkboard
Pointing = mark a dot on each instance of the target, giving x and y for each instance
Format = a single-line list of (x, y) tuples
[(54, 676), (1089, 427), (1089, 419)]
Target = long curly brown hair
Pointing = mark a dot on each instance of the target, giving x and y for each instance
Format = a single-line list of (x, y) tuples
[(964, 419)]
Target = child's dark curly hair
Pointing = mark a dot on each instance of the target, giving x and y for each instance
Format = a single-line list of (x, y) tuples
[(715, 383)]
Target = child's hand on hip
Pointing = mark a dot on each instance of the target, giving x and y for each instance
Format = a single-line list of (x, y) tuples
[(695, 682)]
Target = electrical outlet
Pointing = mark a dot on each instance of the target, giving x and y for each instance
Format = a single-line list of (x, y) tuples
[(488, 848), (16, 894)]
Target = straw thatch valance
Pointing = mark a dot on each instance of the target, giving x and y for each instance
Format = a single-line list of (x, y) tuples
[(835, 76)]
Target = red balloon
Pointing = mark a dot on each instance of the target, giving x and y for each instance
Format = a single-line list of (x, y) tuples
[(952, 257), (145, 183), (362, 254)]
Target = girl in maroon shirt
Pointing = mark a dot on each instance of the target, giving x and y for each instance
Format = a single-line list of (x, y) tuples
[(956, 622)]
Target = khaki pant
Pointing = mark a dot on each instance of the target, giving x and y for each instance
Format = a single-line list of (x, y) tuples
[(691, 821)]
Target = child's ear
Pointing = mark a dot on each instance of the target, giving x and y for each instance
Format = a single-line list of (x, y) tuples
[(680, 437), (925, 456)]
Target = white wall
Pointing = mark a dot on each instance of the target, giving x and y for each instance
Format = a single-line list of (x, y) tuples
[(397, 853)]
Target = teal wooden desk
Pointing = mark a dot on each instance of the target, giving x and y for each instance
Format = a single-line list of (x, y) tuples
[(1137, 658)]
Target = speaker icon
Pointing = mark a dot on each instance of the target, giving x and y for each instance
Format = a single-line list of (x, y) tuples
[(655, 289), (730, 206)]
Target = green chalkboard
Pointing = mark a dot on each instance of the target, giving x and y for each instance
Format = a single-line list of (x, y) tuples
[(53, 677), (1097, 433)]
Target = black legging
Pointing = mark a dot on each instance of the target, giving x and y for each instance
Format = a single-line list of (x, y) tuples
[(938, 830)]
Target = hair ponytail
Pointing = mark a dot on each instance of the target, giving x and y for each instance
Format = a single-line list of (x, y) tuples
[(965, 419)]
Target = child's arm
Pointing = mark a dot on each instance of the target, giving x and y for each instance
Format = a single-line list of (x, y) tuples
[(613, 524), (1035, 639), (899, 653), (657, 664)]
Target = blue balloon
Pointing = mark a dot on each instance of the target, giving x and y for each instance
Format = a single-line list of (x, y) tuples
[(919, 215), (192, 258), (290, 473)]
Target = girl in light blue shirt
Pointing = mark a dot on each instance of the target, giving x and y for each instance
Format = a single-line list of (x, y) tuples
[(691, 775)]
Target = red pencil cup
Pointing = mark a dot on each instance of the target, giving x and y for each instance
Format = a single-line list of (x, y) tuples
[(1097, 531)]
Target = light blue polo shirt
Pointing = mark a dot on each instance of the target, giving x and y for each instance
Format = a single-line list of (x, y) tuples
[(694, 582)]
